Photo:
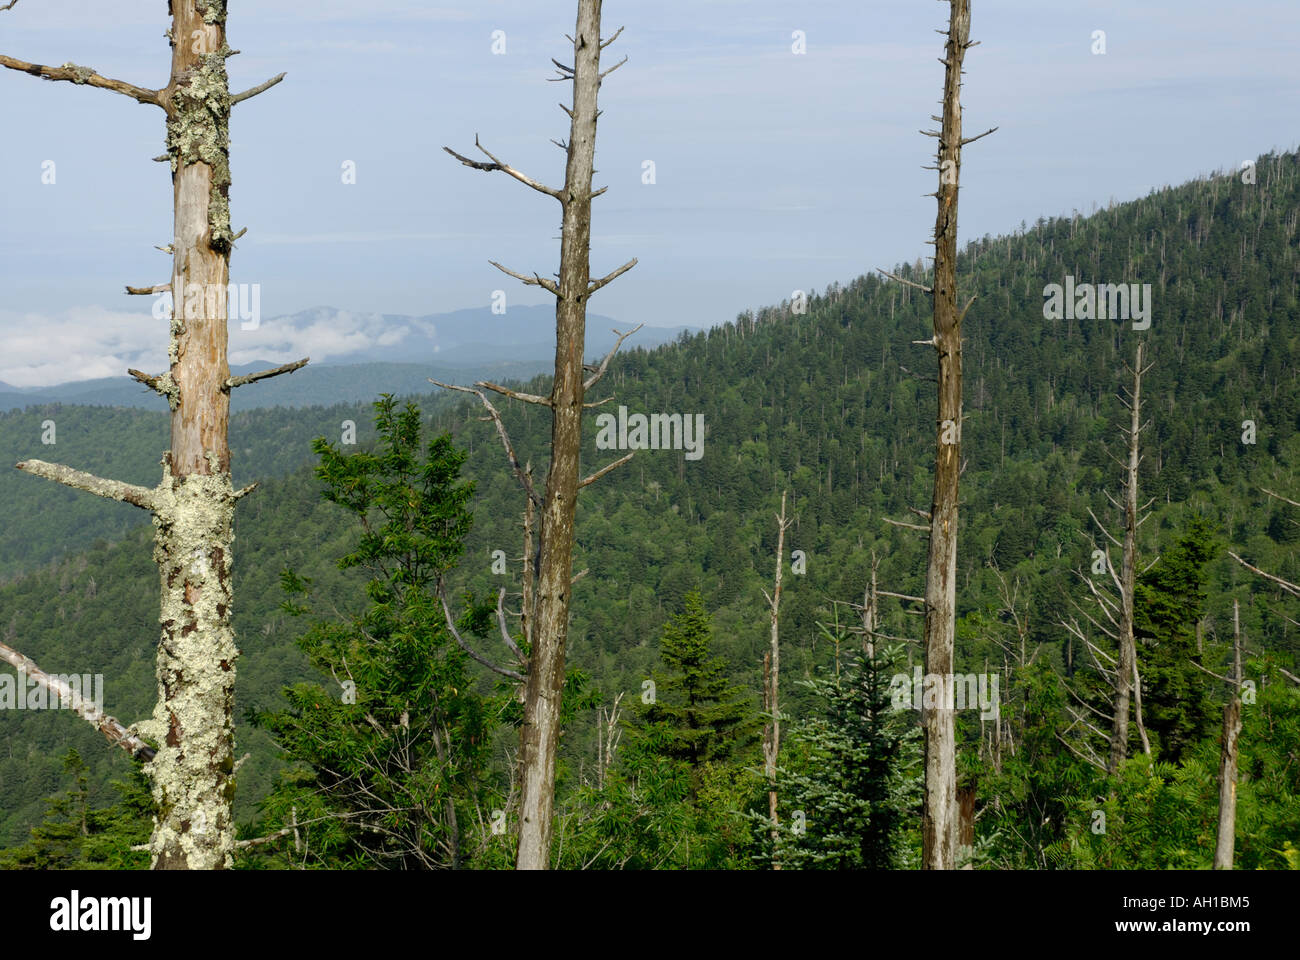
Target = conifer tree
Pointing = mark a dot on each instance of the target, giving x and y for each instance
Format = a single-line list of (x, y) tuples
[(391, 764), (860, 779), (1170, 599), (698, 716), (77, 836)]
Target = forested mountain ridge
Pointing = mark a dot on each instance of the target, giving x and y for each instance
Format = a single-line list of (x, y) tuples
[(832, 404)]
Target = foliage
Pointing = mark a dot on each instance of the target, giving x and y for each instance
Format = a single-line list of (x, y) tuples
[(857, 780), (390, 772)]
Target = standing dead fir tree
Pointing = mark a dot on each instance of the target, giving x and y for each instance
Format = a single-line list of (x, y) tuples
[(771, 676), (1114, 614), (940, 813), (552, 565), (1226, 839), (192, 770)]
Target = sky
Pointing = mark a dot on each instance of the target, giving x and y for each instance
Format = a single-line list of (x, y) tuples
[(774, 170)]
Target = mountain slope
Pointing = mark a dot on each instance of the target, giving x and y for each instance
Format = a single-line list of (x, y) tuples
[(833, 405)]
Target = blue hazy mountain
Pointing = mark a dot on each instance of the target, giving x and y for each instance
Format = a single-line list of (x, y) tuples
[(385, 353)]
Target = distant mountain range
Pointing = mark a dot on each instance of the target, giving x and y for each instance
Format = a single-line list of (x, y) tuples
[(386, 353)]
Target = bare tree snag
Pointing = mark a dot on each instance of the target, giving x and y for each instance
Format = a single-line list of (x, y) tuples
[(192, 772), (1223, 847), (1114, 612), (939, 826), (608, 734), (771, 676), (552, 581), (1126, 670)]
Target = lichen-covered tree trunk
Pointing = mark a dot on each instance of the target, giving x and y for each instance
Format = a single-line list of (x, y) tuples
[(939, 820), (192, 723), (1126, 669), (540, 734), (192, 769)]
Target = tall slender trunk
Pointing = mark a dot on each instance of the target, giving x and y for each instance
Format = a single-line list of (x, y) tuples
[(193, 720), (771, 677), (540, 734), (192, 770), (940, 815), (1223, 848), (548, 574), (1126, 670)]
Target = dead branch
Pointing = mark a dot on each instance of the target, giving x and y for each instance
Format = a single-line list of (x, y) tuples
[(142, 497), (115, 732), (254, 91), (978, 136), (536, 280), (525, 477), (919, 286), (1286, 585), (479, 658), (603, 470), (155, 384), (605, 280), (904, 523), (514, 394), (504, 168), (266, 374), (505, 632), (72, 73), (604, 364)]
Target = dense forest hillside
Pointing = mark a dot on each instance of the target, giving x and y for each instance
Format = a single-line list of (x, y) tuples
[(832, 403)]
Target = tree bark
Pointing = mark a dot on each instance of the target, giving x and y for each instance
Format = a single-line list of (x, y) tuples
[(771, 677), (540, 734), (1126, 670), (1223, 848), (192, 771), (940, 815), (548, 574)]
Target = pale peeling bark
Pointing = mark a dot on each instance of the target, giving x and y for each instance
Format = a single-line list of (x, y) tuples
[(939, 819), (1226, 839), (192, 771)]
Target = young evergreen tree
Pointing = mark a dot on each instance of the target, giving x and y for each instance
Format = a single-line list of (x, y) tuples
[(860, 780), (698, 716), (77, 836), (391, 765), (1170, 599)]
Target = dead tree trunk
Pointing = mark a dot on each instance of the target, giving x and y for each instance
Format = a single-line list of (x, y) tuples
[(1126, 674), (192, 772), (1115, 611), (1223, 848), (940, 815), (771, 676), (540, 733)]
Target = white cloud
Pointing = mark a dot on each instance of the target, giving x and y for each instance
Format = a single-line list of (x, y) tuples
[(80, 343), (86, 343)]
